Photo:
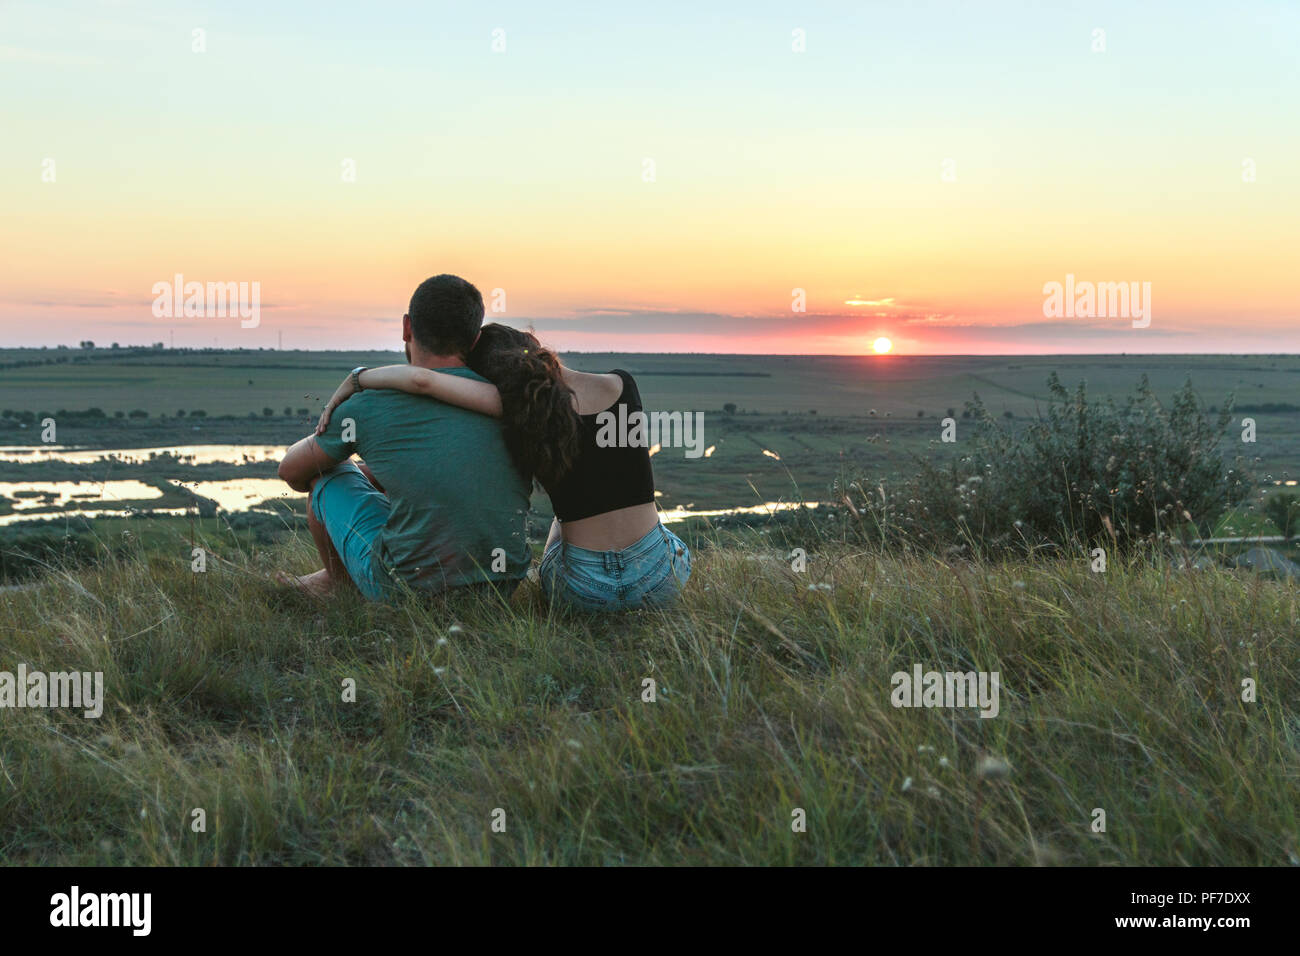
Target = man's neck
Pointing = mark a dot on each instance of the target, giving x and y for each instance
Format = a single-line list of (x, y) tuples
[(429, 360)]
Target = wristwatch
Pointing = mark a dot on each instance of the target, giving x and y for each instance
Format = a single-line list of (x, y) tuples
[(356, 377)]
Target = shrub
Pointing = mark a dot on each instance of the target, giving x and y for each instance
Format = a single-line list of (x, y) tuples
[(1083, 472), (1284, 511)]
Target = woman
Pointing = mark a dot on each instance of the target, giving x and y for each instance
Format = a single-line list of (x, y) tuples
[(607, 549)]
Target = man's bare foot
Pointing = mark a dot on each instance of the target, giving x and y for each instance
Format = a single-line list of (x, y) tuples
[(318, 584)]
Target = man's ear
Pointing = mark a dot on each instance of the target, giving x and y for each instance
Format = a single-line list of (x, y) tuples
[(476, 338), (406, 328)]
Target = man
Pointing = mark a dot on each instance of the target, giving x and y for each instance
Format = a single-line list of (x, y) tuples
[(438, 502)]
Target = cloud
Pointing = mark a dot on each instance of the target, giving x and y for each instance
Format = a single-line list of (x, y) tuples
[(655, 322), (13, 54), (1047, 331)]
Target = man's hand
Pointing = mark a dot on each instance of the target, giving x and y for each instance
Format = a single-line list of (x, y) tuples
[(303, 463)]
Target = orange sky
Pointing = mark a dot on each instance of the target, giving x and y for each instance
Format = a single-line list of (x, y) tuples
[(919, 173)]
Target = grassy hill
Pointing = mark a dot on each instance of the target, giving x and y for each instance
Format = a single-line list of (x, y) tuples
[(1120, 691)]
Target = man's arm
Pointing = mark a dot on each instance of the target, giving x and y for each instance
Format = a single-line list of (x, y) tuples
[(303, 462)]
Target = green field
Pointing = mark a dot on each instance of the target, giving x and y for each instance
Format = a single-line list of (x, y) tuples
[(823, 416)]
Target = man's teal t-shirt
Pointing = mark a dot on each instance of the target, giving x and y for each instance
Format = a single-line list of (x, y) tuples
[(459, 505)]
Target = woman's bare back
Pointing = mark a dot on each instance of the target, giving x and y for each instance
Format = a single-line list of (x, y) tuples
[(614, 530)]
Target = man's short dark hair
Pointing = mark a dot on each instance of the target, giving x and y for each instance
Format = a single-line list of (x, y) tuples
[(446, 315)]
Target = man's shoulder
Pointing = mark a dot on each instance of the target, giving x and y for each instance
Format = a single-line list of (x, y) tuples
[(389, 407)]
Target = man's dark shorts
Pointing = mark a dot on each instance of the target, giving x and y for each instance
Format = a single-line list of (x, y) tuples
[(354, 513)]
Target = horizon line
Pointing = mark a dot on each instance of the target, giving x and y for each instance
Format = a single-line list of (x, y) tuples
[(870, 355)]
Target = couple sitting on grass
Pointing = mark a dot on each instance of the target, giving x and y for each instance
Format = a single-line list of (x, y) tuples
[(450, 445)]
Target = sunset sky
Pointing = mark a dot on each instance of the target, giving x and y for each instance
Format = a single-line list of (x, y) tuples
[(774, 170)]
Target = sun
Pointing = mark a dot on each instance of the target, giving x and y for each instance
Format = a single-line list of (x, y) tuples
[(882, 345)]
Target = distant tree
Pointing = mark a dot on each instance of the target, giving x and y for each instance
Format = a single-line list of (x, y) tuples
[(287, 411), (729, 408), (115, 346), (965, 413), (250, 381), (1007, 414), (302, 411), (7, 413), (267, 412), (952, 413), (119, 414), (181, 413), (87, 344), (920, 413), (198, 413), (138, 413)]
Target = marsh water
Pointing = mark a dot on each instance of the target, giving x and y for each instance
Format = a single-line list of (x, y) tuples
[(121, 497)]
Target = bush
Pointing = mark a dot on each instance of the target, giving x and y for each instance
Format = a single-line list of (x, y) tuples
[(1085, 472), (1284, 511)]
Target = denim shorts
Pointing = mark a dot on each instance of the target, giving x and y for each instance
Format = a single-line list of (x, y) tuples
[(650, 573)]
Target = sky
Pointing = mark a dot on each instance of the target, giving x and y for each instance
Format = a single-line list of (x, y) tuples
[(739, 177)]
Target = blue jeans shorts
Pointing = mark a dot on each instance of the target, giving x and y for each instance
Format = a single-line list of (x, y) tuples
[(354, 512), (650, 573)]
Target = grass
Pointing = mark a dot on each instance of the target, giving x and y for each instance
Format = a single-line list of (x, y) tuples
[(1120, 691)]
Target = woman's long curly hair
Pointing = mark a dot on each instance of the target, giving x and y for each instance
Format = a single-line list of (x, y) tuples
[(541, 425)]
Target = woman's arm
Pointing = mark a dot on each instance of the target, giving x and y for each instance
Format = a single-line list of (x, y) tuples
[(466, 393)]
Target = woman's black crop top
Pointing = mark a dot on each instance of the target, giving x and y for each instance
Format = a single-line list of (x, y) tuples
[(610, 473)]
